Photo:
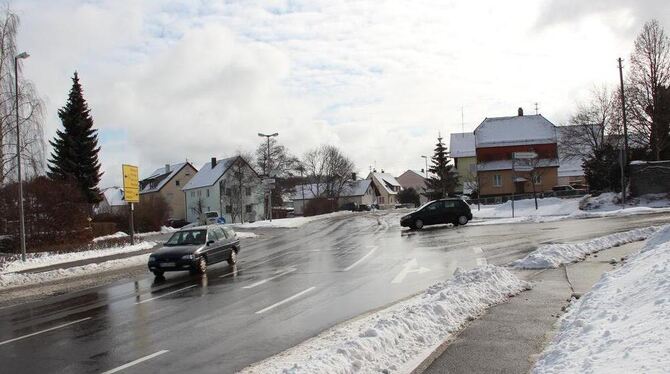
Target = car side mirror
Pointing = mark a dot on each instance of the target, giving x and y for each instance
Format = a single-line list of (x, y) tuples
[(210, 242)]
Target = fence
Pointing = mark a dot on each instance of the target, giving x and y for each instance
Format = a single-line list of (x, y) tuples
[(540, 195)]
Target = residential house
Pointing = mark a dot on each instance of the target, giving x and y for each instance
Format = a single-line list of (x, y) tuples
[(113, 201), (463, 152), (168, 182), (358, 192), (497, 139), (387, 188), (414, 179), (230, 187)]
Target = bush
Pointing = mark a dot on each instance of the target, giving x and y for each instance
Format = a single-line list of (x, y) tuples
[(151, 213), (409, 196)]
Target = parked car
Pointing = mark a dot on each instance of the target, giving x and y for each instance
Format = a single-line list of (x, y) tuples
[(364, 208), (212, 217), (194, 249), (455, 211), (349, 206), (176, 223)]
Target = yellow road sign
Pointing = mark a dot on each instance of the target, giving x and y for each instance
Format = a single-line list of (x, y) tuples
[(131, 183)]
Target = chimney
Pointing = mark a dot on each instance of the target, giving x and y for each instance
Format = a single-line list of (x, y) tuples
[(353, 177), (520, 112), (167, 168), (213, 162)]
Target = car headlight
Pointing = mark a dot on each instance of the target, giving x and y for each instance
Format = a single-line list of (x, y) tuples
[(152, 259), (188, 257)]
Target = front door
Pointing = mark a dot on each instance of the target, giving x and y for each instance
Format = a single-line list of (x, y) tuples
[(518, 188)]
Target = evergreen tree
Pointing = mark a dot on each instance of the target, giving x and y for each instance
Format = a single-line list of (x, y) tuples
[(603, 169), (75, 148), (443, 180)]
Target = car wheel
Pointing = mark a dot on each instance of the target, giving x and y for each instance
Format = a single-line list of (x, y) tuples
[(233, 257), (158, 273), (418, 224), (201, 267), (462, 220)]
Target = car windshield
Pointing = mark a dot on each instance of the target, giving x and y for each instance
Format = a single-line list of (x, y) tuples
[(423, 206), (188, 237)]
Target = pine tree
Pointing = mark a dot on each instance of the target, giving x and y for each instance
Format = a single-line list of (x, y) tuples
[(75, 148), (443, 180)]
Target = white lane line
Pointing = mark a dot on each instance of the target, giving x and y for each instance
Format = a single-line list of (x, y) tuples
[(477, 250), (167, 294), (227, 274), (45, 330), (285, 300), (361, 259), (133, 363), (481, 261), (269, 279)]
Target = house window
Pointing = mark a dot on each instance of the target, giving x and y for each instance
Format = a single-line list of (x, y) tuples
[(537, 179), (176, 183), (192, 193), (248, 208), (248, 193), (381, 199), (229, 209), (208, 192), (199, 193), (497, 180), (229, 192)]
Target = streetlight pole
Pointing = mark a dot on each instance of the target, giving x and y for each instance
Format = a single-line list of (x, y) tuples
[(426, 169), (624, 160), (267, 170), (22, 223)]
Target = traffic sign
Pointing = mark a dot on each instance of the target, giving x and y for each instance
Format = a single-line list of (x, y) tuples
[(524, 155), (131, 183)]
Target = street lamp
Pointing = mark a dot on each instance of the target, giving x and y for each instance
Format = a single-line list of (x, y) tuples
[(426, 169), (22, 224), (267, 169)]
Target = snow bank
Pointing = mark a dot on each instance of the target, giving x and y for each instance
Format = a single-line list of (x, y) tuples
[(290, 223), (610, 201), (621, 325), (116, 235), (46, 259), (8, 280), (393, 339), (550, 206), (553, 255), (163, 230), (245, 235)]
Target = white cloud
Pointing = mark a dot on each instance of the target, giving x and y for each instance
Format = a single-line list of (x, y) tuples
[(377, 78)]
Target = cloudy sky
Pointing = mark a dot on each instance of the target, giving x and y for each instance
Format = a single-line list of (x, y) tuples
[(174, 80)]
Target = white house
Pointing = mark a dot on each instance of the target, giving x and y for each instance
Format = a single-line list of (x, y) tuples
[(387, 187), (359, 192), (230, 187), (113, 201)]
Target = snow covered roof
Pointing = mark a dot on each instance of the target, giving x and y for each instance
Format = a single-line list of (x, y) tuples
[(207, 175), (507, 164), (462, 144), (386, 180), (516, 130), (114, 196), (159, 178), (352, 188)]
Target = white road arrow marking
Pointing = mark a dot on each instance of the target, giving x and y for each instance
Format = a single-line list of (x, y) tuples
[(411, 267)]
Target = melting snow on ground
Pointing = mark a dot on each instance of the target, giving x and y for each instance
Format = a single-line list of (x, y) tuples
[(393, 339), (245, 235), (23, 279), (623, 324), (553, 255), (47, 259)]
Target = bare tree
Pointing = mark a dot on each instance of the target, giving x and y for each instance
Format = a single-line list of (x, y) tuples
[(590, 125), (30, 109), (327, 170), (239, 189), (649, 74)]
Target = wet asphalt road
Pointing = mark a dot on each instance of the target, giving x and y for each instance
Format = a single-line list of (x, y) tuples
[(284, 290)]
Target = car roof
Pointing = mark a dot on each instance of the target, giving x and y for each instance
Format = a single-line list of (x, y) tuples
[(202, 227)]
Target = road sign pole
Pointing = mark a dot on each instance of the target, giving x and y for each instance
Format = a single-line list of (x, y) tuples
[(132, 224), (513, 184)]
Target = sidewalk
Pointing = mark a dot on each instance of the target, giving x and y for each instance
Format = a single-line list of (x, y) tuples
[(508, 338)]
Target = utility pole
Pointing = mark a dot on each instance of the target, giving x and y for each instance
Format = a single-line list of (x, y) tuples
[(425, 171), (624, 161), (267, 171), (22, 222)]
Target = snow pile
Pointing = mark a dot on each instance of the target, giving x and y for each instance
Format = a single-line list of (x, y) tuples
[(610, 201), (553, 255), (163, 230), (621, 325), (245, 235), (8, 280), (47, 259), (116, 235), (394, 339), (289, 223), (550, 206)]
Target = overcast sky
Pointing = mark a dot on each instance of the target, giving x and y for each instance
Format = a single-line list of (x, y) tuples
[(173, 80)]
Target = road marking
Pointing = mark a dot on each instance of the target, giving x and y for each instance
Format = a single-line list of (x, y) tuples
[(285, 300), (167, 294), (361, 259), (290, 270), (411, 267), (477, 250), (133, 363), (481, 261), (227, 274), (45, 330)]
